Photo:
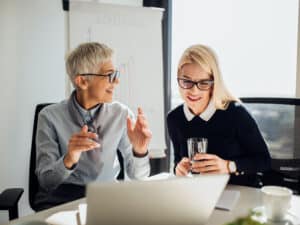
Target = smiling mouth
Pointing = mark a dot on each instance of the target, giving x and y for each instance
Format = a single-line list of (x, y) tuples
[(193, 99), (110, 91)]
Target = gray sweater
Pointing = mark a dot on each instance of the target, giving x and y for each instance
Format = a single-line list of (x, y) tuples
[(57, 123)]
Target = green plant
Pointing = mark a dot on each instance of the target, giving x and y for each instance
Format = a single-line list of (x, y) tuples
[(248, 220)]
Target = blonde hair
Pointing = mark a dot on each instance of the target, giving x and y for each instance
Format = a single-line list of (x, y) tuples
[(87, 58), (206, 58)]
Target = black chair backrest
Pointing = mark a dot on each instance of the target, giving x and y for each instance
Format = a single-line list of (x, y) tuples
[(121, 175), (279, 122), (33, 180)]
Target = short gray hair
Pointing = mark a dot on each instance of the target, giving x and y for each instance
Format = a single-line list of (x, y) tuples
[(87, 58)]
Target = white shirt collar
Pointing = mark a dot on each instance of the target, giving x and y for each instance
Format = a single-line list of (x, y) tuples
[(205, 115)]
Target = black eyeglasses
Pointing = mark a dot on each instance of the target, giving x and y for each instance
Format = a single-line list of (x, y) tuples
[(202, 85), (112, 76)]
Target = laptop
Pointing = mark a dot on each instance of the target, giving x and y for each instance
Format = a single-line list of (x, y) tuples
[(177, 201)]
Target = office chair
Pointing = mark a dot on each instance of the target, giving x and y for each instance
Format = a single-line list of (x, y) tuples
[(9, 200), (33, 180), (279, 122)]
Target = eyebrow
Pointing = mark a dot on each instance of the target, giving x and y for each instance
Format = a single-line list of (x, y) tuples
[(108, 71), (189, 78), (185, 76)]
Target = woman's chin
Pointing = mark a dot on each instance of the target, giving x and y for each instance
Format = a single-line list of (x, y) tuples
[(108, 99), (193, 104)]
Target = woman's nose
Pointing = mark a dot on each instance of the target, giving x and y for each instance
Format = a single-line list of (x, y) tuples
[(194, 89)]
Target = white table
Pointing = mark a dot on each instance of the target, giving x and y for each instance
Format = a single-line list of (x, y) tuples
[(249, 198)]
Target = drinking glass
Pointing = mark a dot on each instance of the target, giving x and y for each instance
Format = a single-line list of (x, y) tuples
[(196, 145)]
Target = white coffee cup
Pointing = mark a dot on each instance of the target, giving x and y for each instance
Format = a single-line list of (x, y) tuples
[(276, 200)]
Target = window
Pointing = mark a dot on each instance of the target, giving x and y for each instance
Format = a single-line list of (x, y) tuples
[(255, 40)]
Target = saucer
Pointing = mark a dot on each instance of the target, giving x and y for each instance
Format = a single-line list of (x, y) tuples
[(259, 214)]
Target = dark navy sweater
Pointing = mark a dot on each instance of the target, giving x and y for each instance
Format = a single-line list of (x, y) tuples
[(232, 135)]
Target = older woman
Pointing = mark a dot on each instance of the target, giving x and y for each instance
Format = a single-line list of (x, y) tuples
[(77, 139), (235, 144)]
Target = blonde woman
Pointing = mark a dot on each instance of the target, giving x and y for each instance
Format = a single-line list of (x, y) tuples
[(235, 144)]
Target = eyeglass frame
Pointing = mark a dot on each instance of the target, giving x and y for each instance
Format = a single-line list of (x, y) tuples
[(210, 82), (111, 77)]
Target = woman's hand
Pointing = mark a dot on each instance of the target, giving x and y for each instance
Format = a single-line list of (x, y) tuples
[(78, 143), (183, 167), (139, 134), (209, 164)]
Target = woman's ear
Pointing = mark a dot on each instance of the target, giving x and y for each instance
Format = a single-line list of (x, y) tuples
[(81, 82)]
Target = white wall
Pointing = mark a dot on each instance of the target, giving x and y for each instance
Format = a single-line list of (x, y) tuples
[(32, 71), (255, 40)]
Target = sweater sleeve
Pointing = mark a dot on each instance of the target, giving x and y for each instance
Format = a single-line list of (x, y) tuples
[(175, 140), (50, 168), (256, 157)]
